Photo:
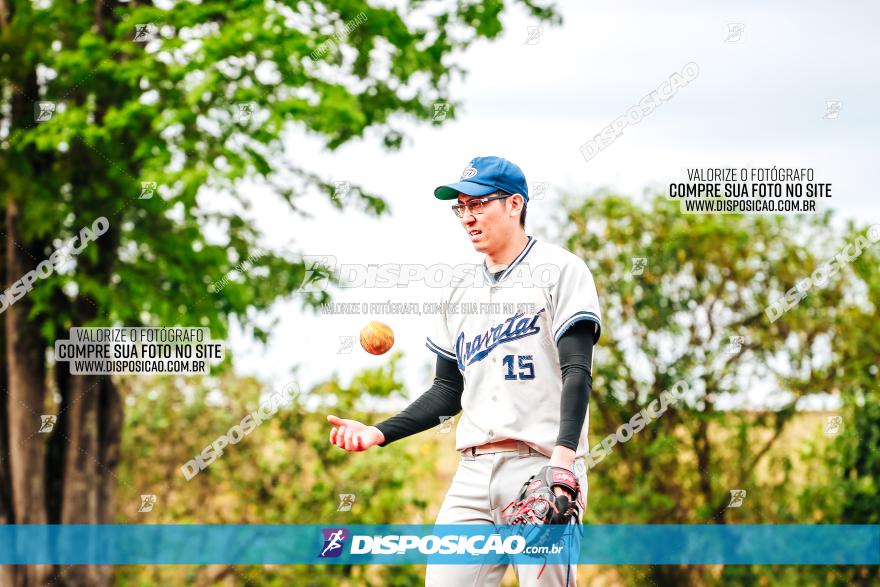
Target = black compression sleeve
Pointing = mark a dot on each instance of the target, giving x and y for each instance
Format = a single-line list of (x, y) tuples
[(575, 359), (442, 399)]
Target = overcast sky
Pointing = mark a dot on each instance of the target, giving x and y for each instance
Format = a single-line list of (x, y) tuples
[(757, 102)]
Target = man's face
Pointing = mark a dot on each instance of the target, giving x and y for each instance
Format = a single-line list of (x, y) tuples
[(490, 228)]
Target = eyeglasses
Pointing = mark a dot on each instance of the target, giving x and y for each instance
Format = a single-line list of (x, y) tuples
[(476, 206)]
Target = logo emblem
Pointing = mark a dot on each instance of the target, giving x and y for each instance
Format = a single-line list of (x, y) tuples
[(346, 500), (446, 423), (317, 272), (342, 189), (148, 188), (43, 111), (735, 345), (245, 111), (737, 496), (832, 109), (334, 539), (538, 190), (734, 32), (534, 35), (346, 343), (639, 265), (563, 476), (145, 32), (47, 423), (147, 503), (441, 111), (468, 172), (833, 425)]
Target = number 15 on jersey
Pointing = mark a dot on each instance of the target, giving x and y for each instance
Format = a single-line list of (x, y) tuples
[(525, 368)]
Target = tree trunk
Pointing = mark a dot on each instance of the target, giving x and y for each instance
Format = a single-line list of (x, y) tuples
[(58, 440), (7, 573), (71, 478), (93, 421), (702, 448), (82, 470), (25, 360), (110, 442)]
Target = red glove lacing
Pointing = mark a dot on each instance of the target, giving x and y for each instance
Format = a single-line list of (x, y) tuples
[(524, 510)]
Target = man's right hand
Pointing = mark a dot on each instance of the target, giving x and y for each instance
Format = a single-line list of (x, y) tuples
[(352, 435)]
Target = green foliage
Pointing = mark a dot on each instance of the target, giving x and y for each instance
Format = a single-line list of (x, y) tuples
[(207, 103), (710, 277), (284, 472)]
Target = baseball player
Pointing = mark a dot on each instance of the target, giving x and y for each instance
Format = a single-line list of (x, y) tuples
[(519, 372)]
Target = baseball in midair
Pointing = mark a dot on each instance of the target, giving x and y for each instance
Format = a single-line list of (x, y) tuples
[(377, 338)]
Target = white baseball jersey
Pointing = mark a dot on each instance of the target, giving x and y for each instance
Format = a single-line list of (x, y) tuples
[(503, 336)]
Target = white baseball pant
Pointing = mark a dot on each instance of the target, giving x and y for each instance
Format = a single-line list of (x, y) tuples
[(483, 485)]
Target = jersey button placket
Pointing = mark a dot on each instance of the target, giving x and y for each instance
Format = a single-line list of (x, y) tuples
[(490, 316), (492, 291)]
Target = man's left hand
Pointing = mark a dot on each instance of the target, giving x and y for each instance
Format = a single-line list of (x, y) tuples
[(562, 457)]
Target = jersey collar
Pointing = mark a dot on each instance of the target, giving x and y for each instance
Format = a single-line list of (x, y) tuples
[(512, 266)]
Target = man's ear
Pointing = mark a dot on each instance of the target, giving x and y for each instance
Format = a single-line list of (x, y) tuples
[(521, 200)]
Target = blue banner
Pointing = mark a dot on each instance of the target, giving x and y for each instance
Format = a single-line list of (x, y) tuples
[(396, 544)]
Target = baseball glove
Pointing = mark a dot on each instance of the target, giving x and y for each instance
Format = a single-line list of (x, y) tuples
[(538, 504)]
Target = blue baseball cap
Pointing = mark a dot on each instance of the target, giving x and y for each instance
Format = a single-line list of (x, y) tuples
[(484, 176)]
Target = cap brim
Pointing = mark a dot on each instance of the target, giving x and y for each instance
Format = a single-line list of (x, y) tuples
[(468, 188)]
